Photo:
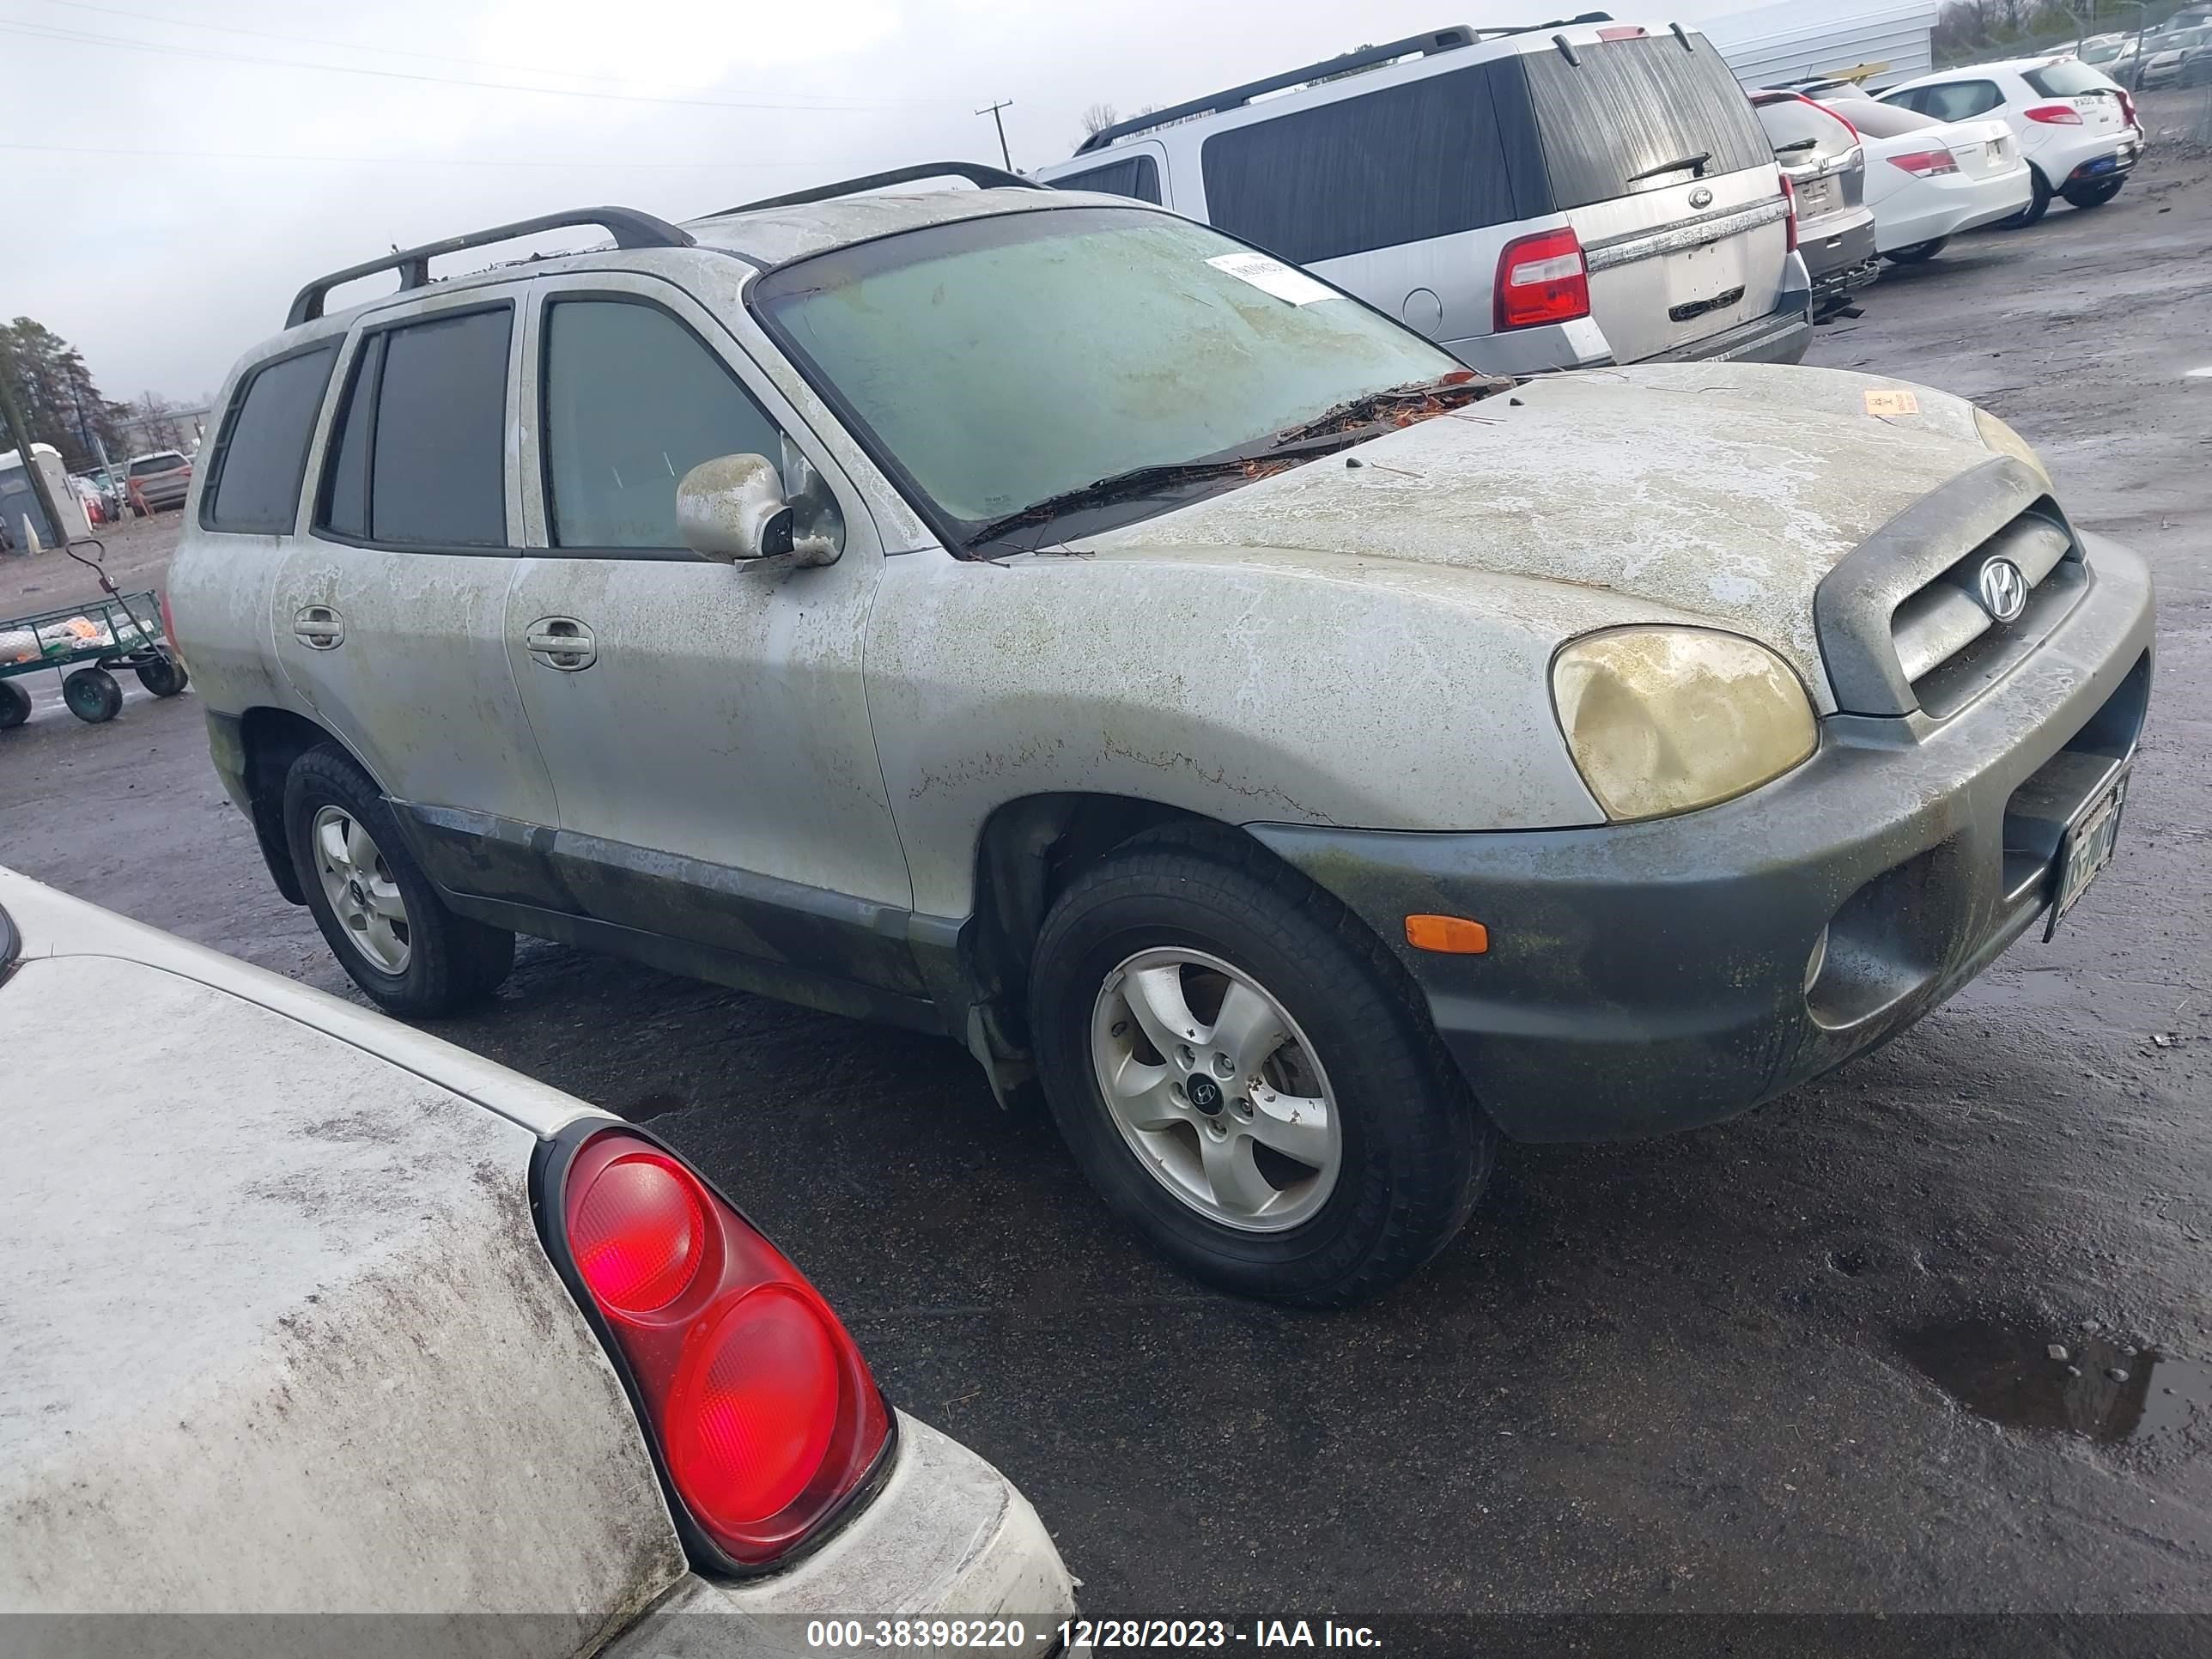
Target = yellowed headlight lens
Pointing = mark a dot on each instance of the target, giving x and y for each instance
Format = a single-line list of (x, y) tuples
[(1665, 719), (2003, 441)]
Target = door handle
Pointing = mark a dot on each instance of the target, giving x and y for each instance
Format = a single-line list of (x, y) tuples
[(319, 627), (561, 643)]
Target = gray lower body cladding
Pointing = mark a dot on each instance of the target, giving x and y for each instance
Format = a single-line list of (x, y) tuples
[(1647, 977), (1780, 337)]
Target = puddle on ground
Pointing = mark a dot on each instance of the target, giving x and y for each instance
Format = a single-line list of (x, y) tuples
[(2008, 1377)]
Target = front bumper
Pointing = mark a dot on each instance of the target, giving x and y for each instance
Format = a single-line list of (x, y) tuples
[(947, 1537), (1647, 977)]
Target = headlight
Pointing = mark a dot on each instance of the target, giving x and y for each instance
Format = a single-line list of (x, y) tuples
[(2003, 441), (1663, 719)]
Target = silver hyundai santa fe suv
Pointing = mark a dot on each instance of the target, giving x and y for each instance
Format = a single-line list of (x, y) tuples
[(1036, 618)]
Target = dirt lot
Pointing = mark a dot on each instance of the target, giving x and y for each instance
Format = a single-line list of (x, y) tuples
[(1730, 1371)]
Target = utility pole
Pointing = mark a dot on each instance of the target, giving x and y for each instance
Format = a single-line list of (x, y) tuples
[(1005, 154), (13, 410)]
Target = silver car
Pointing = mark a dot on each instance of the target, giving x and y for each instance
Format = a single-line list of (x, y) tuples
[(1824, 161), (1559, 197), (1146, 665), (317, 1315)]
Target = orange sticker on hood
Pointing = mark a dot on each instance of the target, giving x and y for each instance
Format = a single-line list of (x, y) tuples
[(1891, 403)]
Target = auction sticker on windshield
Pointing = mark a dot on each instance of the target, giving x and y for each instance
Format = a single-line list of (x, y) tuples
[(1272, 276)]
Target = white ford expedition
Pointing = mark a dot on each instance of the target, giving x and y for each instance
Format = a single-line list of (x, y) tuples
[(1036, 617)]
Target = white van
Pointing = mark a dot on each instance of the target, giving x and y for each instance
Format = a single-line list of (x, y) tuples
[(1556, 197)]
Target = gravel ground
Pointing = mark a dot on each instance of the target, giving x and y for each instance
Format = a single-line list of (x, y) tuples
[(1796, 1362)]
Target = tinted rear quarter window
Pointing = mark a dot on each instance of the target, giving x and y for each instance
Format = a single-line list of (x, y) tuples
[(438, 460), (262, 451), (2070, 79), (1635, 107), (1404, 164), (1136, 176)]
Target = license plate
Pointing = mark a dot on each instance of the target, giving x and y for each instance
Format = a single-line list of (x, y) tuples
[(1996, 149), (2087, 850), (1815, 198)]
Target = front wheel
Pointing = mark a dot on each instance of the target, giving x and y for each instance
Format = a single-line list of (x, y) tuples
[(92, 695), (2096, 195), (1242, 1073), (1917, 253), (377, 910)]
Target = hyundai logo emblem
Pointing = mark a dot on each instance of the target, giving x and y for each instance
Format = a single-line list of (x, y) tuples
[(2004, 589), (1701, 197)]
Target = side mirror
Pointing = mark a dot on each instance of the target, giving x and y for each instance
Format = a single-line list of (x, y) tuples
[(733, 507), (738, 507)]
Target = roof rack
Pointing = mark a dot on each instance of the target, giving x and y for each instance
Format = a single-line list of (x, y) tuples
[(984, 177), (1436, 41), (629, 229)]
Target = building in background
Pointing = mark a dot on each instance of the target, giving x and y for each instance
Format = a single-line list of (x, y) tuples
[(1786, 45)]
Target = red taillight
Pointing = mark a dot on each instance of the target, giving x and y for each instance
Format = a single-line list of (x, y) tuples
[(763, 1413), (639, 1233), (1926, 163), (2055, 115), (1542, 279), (1790, 196), (169, 628), (2127, 106), (1623, 32)]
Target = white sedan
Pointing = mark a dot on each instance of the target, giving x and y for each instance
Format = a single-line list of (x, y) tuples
[(1927, 179), (310, 1313)]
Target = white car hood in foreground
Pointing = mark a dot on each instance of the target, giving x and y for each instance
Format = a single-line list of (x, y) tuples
[(251, 1270), (1718, 492)]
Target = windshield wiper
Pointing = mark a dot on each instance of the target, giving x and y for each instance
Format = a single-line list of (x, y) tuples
[(1697, 162), (1796, 143), (1461, 386)]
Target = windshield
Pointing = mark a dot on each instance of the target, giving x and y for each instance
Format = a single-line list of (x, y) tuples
[(1803, 130), (1002, 361)]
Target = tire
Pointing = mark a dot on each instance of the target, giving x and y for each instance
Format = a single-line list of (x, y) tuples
[(92, 695), (1402, 1152), (2096, 195), (2037, 206), (163, 674), (1917, 253), (15, 705), (369, 896)]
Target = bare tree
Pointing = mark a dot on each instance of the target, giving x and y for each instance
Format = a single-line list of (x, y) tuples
[(1097, 118)]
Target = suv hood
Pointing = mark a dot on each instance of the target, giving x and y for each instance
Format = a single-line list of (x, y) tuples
[(1720, 493)]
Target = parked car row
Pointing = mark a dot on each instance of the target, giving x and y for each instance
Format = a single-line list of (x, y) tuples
[(1594, 192)]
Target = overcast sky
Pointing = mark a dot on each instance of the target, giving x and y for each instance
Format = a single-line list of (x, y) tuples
[(175, 168)]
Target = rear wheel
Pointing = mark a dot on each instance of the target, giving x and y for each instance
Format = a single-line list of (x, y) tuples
[(92, 695), (163, 674), (1241, 1072), (2096, 195), (377, 910), (1916, 253), (2038, 204), (15, 705)]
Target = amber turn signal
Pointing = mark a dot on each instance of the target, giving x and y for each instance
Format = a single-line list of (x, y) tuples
[(1454, 935)]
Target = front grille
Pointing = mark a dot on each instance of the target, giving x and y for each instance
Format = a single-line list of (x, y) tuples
[(1950, 649), (1903, 632)]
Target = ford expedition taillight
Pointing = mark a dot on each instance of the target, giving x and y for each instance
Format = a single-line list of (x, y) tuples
[(1542, 279), (763, 1419)]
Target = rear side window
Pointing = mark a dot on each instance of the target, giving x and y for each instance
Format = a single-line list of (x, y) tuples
[(1403, 164), (632, 401), (420, 453), (1955, 100), (2067, 78), (1635, 114), (263, 450), (1137, 176)]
